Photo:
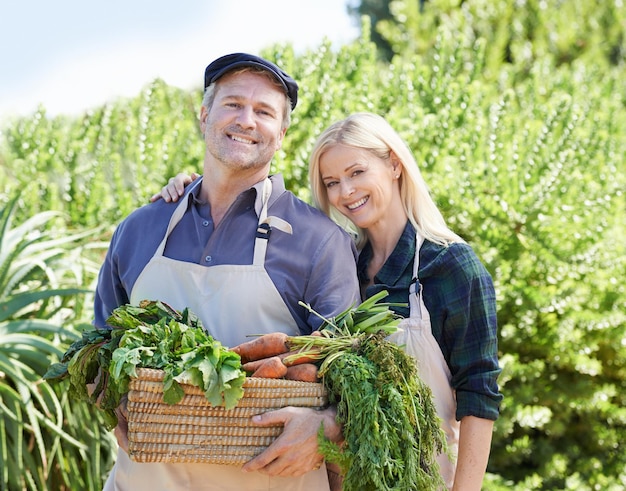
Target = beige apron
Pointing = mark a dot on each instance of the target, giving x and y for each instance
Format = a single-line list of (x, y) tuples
[(219, 296), (415, 333)]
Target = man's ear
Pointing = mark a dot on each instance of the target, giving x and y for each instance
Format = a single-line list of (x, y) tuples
[(281, 137), (203, 116)]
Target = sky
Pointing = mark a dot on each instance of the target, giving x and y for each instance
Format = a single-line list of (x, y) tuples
[(70, 55)]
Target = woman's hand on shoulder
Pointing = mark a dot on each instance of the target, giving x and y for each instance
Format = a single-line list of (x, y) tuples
[(175, 187)]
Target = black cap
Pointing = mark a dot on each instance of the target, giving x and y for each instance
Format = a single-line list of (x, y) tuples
[(226, 63)]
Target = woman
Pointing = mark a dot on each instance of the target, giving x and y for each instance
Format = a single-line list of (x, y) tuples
[(361, 170)]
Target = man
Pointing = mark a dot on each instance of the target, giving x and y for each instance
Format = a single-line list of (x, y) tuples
[(241, 252)]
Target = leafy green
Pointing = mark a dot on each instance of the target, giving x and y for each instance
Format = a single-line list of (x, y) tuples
[(390, 425), (151, 335), (369, 316)]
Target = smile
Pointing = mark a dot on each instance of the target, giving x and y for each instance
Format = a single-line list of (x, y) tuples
[(242, 140), (354, 206)]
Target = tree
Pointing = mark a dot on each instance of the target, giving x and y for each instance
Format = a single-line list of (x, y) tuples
[(377, 11)]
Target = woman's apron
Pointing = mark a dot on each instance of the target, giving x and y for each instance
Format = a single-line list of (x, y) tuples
[(415, 333), (232, 301)]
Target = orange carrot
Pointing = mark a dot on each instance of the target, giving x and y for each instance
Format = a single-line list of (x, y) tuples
[(264, 346), (272, 367), (252, 366), (307, 372), (289, 358)]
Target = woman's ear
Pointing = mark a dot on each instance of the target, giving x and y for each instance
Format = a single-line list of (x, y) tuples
[(396, 165)]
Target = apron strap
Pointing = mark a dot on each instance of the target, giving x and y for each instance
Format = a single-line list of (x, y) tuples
[(415, 288), (176, 216), (264, 230)]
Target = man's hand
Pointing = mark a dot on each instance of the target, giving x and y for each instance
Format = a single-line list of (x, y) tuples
[(121, 430), (295, 451)]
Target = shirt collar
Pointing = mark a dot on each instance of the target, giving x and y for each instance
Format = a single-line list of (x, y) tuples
[(278, 188), (396, 264)]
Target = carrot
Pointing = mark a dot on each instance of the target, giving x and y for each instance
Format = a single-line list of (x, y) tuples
[(264, 346), (289, 358), (272, 367), (307, 372), (252, 366)]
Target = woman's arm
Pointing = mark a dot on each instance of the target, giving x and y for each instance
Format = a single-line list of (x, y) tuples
[(175, 187), (459, 293), (474, 448)]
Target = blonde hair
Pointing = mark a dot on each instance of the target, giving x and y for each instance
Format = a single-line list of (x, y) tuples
[(374, 134)]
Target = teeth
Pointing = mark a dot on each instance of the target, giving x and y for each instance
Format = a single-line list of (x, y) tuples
[(241, 140), (357, 204)]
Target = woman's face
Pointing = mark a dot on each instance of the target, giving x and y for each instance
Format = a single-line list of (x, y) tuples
[(360, 185)]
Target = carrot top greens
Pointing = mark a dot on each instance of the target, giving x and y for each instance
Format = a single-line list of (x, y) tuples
[(392, 434)]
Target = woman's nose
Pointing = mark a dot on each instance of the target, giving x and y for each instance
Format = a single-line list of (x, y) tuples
[(347, 188)]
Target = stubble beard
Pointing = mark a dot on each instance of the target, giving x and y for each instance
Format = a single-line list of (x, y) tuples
[(239, 156)]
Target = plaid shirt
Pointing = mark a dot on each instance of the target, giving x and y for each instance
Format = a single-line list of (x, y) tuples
[(460, 298)]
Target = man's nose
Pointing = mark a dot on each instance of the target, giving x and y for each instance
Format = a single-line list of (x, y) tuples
[(245, 117)]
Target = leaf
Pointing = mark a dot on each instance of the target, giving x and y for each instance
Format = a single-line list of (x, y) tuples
[(233, 392), (120, 357), (211, 384), (56, 371), (150, 335), (172, 390), (14, 303)]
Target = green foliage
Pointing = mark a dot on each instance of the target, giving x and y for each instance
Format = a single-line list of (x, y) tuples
[(378, 13), (516, 114), (528, 165), (44, 441), (150, 335), (157, 336), (518, 33), (390, 425), (94, 167)]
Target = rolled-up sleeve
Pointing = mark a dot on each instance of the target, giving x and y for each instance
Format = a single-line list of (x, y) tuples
[(460, 297)]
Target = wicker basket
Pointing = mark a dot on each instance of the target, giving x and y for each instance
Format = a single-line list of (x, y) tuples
[(195, 431)]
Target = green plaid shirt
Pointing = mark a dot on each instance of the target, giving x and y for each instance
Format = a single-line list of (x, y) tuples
[(460, 298)]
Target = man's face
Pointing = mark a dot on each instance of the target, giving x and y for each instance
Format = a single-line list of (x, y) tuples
[(242, 129)]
